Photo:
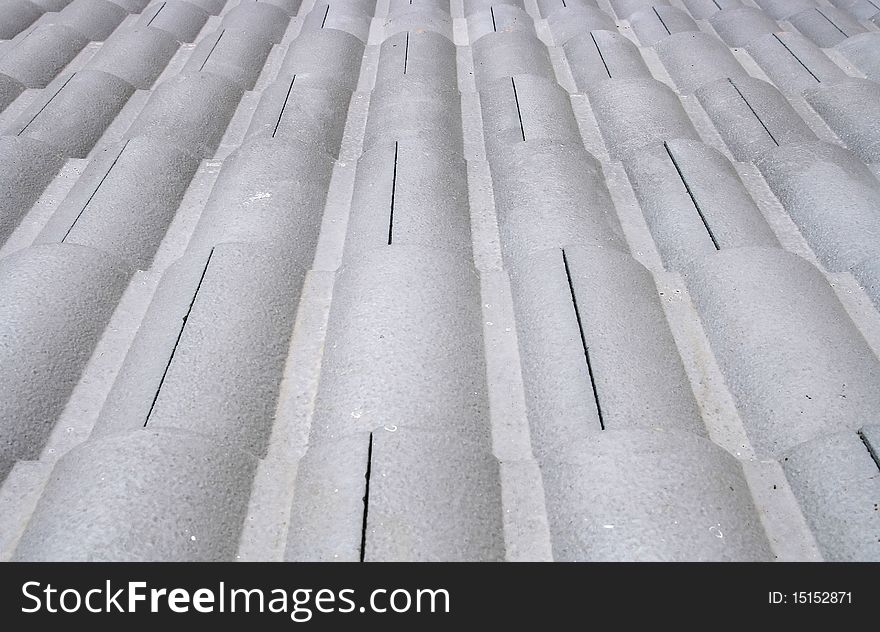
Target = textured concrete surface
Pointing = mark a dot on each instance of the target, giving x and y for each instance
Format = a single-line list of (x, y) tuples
[(439, 280)]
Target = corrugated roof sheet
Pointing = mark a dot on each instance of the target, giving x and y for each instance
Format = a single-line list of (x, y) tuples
[(439, 280)]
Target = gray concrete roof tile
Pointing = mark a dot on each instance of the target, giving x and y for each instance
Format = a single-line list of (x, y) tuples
[(440, 279), (253, 197), (51, 5), (503, 18), (475, 6), (183, 20), (41, 54), (793, 62), (548, 196), (654, 24), (577, 20), (694, 202), (231, 53), (136, 55), (863, 51), (141, 173), (786, 347), (835, 478), (16, 16), (578, 309), (411, 108), (259, 18), (851, 107), (48, 336), (704, 9), (526, 107), (338, 16), (95, 19), (825, 26), (379, 370), (189, 494), (597, 56), (10, 88), (831, 196), (784, 9), (510, 53), (328, 52), (418, 21), (27, 166), (752, 116), (408, 193), (859, 9), (308, 109), (634, 114), (695, 59), (549, 7), (190, 111), (739, 25), (422, 6), (652, 495), (421, 54), (73, 112), (625, 8)]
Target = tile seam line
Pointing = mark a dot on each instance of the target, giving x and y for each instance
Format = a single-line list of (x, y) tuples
[(691, 195), (657, 13), (179, 336), (156, 14), (45, 105), (586, 348), (601, 56), (776, 37), (366, 499), (95, 192), (522, 128), (283, 106), (752, 110), (211, 52), (842, 32), (393, 193)]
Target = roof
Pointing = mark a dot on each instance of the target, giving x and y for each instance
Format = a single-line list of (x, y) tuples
[(439, 280)]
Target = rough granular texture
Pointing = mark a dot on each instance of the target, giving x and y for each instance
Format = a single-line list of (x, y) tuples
[(439, 280)]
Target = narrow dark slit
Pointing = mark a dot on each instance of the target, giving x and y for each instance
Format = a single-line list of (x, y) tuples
[(283, 107), (717, 5), (691, 195), (492, 11), (46, 104), (601, 56), (326, 11), (749, 105), (874, 4), (156, 13), (213, 48), (580, 325), (367, 498), (91, 197), (842, 32), (797, 58), (874, 456), (563, 4), (393, 192), (406, 53), (522, 129), (179, 336), (661, 20)]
